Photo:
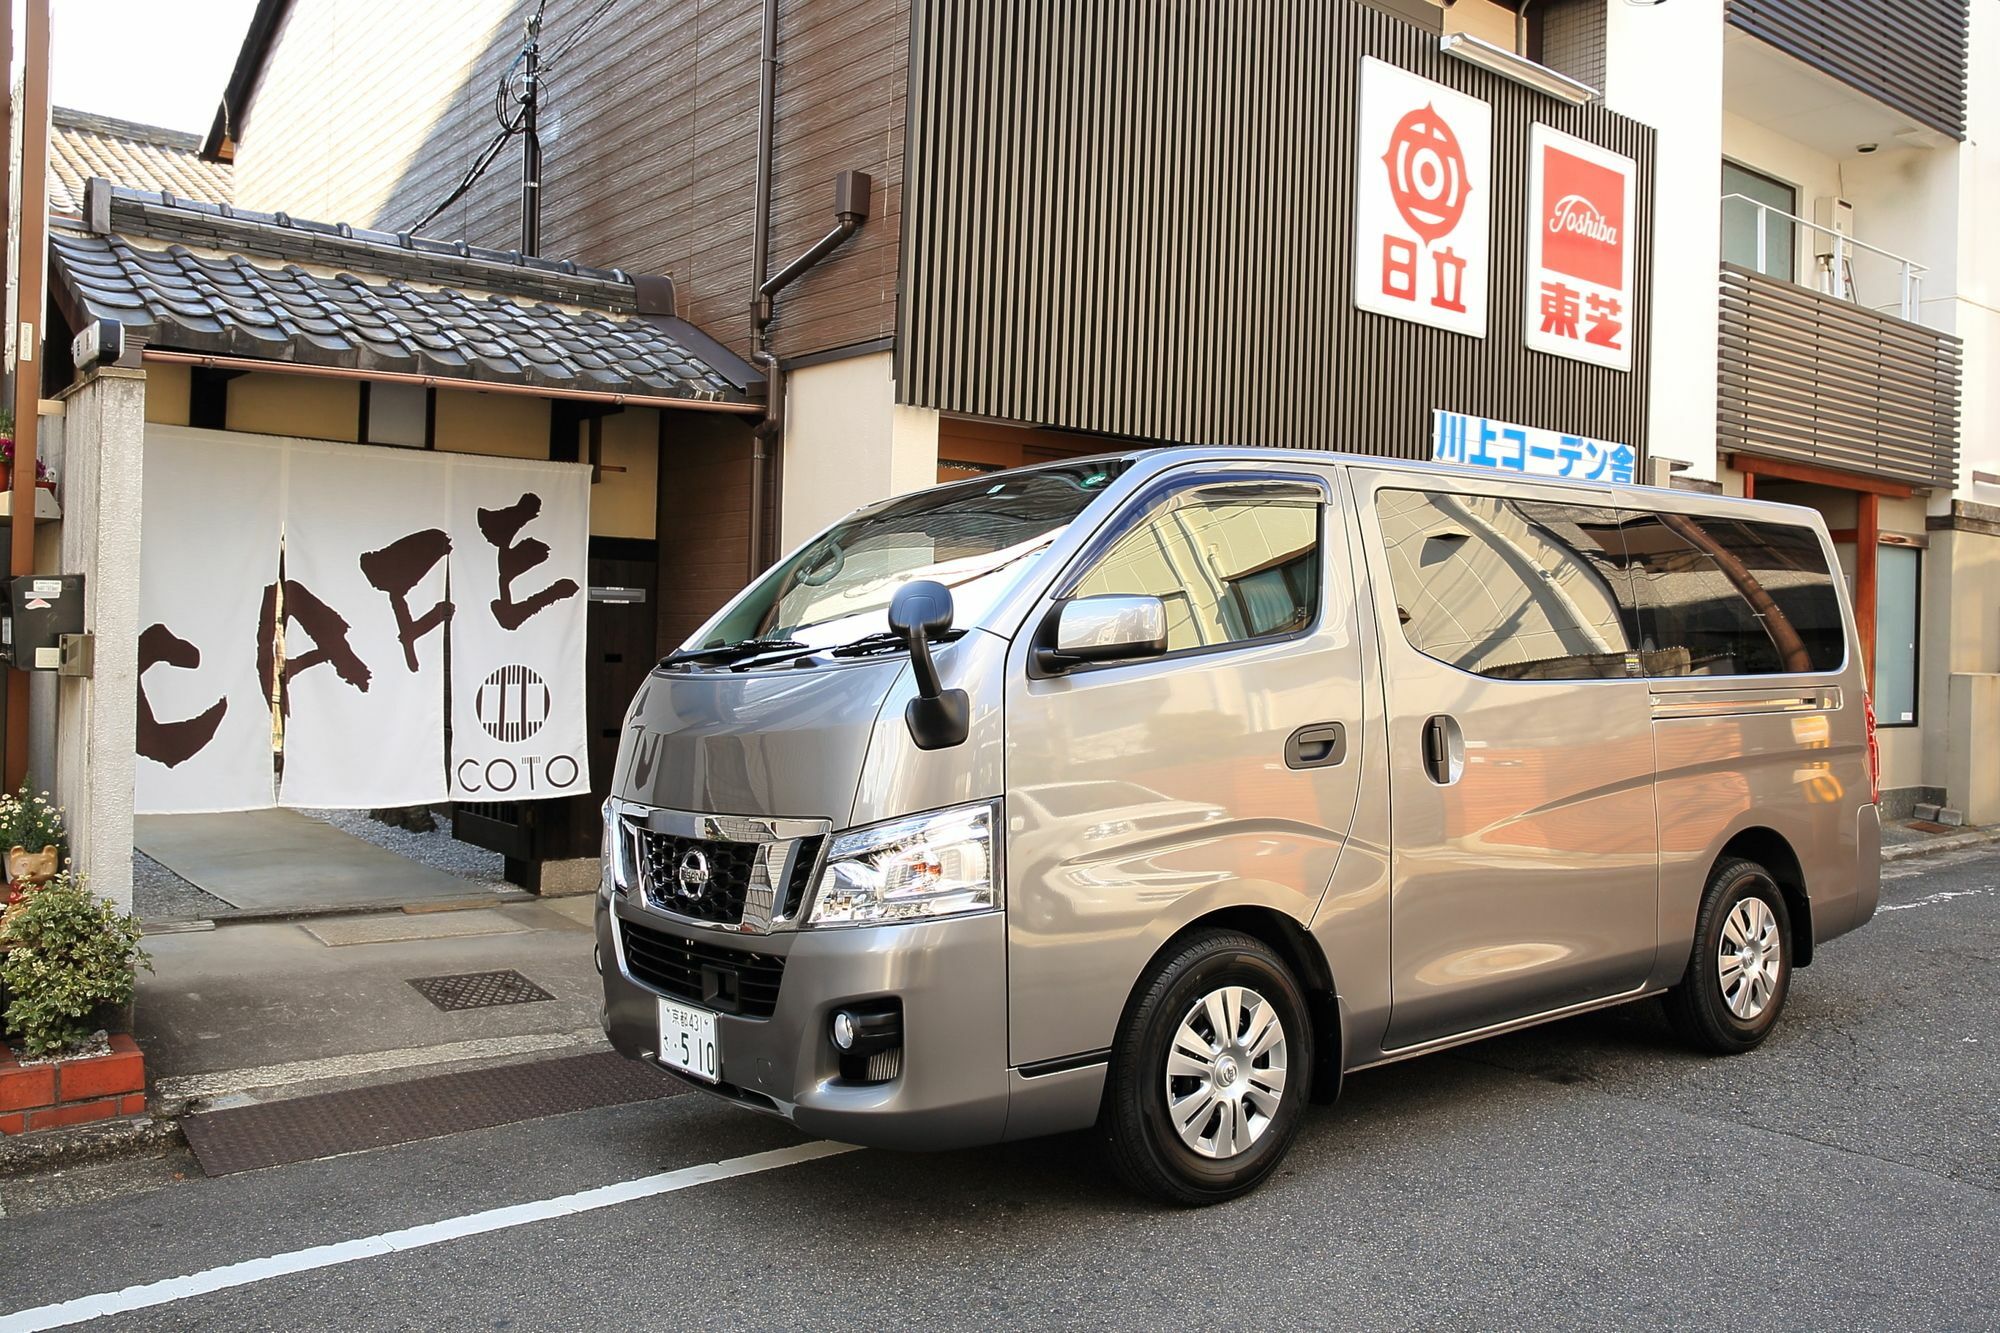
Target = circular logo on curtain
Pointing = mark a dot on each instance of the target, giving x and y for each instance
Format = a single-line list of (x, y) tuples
[(513, 704)]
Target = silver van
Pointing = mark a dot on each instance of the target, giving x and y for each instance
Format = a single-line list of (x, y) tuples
[(1159, 791)]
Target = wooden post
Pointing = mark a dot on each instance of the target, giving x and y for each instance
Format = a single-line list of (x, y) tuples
[(1867, 546), (28, 331), (1749, 485)]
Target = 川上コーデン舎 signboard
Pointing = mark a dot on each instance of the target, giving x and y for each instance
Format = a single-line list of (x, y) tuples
[(1580, 248), (1458, 437), (1422, 200)]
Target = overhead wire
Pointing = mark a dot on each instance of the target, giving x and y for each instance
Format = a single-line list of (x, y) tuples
[(508, 127)]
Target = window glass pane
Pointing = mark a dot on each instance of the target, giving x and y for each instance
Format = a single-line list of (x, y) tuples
[(1515, 589), (1228, 569), (1897, 572), (1740, 222), (1726, 597)]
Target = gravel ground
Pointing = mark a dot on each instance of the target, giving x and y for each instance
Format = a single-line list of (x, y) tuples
[(437, 849), (158, 894)]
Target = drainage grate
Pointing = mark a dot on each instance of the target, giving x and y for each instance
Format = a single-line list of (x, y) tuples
[(479, 990)]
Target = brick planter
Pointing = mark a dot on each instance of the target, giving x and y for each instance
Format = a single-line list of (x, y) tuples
[(73, 1091)]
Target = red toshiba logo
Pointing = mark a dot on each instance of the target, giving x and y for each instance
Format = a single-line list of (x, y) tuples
[(1583, 219)]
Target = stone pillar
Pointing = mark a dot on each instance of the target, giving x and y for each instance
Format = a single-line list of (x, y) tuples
[(97, 716), (1972, 776)]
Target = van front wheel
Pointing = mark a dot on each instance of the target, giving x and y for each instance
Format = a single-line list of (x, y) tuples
[(1741, 968), (1210, 1073)]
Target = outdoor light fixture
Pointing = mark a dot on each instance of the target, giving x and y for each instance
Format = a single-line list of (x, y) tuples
[(1518, 68)]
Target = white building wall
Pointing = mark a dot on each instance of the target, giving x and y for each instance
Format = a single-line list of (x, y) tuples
[(848, 443), (1663, 66)]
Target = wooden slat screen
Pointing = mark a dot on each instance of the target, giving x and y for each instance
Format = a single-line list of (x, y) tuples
[(1807, 377), (1909, 54)]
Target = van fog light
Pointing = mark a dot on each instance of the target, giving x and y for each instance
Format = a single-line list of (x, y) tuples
[(868, 1041)]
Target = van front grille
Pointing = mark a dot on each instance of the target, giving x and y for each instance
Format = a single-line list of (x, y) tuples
[(719, 898), (734, 981)]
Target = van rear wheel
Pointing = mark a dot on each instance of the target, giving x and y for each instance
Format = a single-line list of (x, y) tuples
[(1741, 968), (1210, 1073)]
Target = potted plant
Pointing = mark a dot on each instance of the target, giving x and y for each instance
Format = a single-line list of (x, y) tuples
[(32, 838)]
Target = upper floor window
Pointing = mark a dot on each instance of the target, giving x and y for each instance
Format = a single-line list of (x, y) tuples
[(1230, 566), (1744, 225)]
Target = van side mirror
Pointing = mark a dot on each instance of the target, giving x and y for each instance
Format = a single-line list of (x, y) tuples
[(937, 718), (1112, 628)]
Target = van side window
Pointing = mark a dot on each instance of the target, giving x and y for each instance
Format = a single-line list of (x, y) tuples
[(1732, 597), (1229, 569), (1513, 589)]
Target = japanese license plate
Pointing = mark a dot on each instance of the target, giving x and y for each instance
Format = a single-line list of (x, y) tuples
[(687, 1040)]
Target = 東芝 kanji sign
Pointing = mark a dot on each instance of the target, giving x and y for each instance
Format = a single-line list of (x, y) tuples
[(1579, 250), (1458, 437), (1422, 200)]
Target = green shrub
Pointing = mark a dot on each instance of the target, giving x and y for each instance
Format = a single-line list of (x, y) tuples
[(69, 955)]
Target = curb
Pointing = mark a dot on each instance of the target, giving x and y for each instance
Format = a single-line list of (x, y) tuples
[(1948, 843), (85, 1144), (255, 916)]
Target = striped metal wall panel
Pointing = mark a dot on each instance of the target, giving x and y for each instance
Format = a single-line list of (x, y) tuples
[(1813, 379), (1138, 220), (1909, 54)]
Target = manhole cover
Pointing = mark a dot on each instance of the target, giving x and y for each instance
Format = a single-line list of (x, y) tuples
[(479, 990)]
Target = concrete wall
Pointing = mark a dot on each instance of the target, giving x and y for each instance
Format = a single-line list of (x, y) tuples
[(1663, 65), (849, 443)]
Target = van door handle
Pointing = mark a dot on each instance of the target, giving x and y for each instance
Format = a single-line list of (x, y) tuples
[(1444, 749), (1321, 745)]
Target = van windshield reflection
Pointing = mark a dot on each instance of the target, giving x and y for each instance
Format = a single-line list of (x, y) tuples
[(978, 538)]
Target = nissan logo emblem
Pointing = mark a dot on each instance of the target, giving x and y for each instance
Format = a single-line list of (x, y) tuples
[(691, 876)]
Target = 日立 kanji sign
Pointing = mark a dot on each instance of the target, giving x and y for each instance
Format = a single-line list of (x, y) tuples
[(1457, 437), (1579, 250), (1422, 201)]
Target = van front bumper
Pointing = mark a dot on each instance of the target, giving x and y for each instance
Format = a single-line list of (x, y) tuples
[(950, 976)]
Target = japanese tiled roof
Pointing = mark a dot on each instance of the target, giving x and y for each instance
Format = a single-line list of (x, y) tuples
[(145, 157), (210, 278)]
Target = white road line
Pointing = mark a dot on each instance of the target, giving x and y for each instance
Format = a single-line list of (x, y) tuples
[(371, 1062), (243, 1274), (1932, 900)]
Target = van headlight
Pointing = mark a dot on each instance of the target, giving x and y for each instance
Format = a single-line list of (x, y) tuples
[(617, 860), (932, 865)]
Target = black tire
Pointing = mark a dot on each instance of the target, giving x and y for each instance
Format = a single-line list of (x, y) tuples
[(1146, 1148), (1699, 1007)]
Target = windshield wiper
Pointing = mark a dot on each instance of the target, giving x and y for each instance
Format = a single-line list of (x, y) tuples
[(865, 646), (729, 652)]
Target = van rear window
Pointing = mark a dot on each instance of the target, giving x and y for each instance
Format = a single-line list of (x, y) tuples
[(1534, 590)]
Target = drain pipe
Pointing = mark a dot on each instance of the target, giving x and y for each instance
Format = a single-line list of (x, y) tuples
[(770, 429), (851, 190)]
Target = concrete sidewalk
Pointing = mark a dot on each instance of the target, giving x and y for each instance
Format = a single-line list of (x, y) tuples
[(256, 1010)]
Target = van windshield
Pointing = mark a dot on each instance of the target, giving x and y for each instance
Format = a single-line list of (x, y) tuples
[(978, 538)]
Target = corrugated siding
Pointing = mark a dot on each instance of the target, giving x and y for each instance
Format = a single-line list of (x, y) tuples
[(1813, 379), (1140, 222), (371, 110), (1908, 53)]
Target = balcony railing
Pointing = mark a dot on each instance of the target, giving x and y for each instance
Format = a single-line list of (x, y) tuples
[(1810, 377), (1836, 255)]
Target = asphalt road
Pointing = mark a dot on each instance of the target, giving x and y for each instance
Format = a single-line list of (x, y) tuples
[(1588, 1174)]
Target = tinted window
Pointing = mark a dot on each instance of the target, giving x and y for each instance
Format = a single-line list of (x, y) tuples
[(1898, 595), (1728, 597), (1515, 589), (1228, 567)]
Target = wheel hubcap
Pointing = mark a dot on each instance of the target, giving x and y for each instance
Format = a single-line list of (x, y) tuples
[(1226, 1071), (1749, 958)]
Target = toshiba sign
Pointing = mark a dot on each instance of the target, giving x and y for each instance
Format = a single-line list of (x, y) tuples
[(1579, 250)]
